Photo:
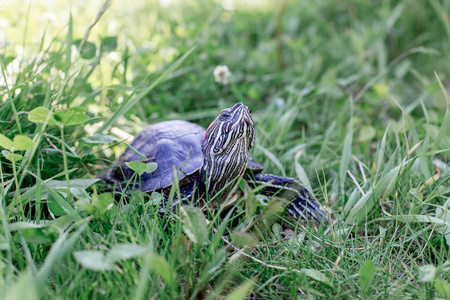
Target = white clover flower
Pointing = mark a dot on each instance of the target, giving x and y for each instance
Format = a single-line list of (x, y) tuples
[(221, 74)]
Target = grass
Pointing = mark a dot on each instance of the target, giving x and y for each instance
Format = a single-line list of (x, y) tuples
[(349, 97)]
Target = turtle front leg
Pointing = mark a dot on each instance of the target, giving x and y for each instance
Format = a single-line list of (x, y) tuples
[(299, 198)]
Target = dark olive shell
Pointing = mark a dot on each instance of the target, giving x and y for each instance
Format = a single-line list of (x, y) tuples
[(173, 145)]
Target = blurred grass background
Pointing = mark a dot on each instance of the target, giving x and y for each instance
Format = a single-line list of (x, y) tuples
[(335, 88)]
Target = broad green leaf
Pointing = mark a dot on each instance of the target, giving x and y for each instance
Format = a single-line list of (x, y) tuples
[(442, 287), (273, 207), (316, 275), (23, 225), (12, 156), (39, 235), (7, 59), (137, 166), (61, 201), (381, 90), (139, 196), (88, 50), (213, 265), (71, 116), (54, 207), (125, 251), (22, 142), (80, 193), (194, 224), (40, 115), (5, 142), (61, 224), (88, 207), (24, 287), (93, 260), (34, 233), (242, 239), (366, 274), (151, 167), (109, 43), (160, 266), (242, 291), (277, 230), (102, 203), (263, 200), (427, 273), (367, 133), (155, 199)]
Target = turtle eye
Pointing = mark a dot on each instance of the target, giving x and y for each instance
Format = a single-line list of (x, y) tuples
[(225, 115)]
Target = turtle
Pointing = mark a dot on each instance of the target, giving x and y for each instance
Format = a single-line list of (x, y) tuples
[(206, 162)]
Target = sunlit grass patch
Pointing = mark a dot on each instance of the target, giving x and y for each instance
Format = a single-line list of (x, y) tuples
[(348, 98)]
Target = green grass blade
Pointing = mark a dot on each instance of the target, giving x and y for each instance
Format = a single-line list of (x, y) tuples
[(272, 158), (346, 151), (131, 101), (381, 151), (365, 204), (59, 248)]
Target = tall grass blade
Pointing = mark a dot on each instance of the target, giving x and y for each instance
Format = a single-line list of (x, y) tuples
[(132, 99), (346, 151)]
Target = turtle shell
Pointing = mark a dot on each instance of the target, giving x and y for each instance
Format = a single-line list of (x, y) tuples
[(171, 144)]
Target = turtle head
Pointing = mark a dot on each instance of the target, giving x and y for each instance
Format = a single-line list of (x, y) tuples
[(226, 147)]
